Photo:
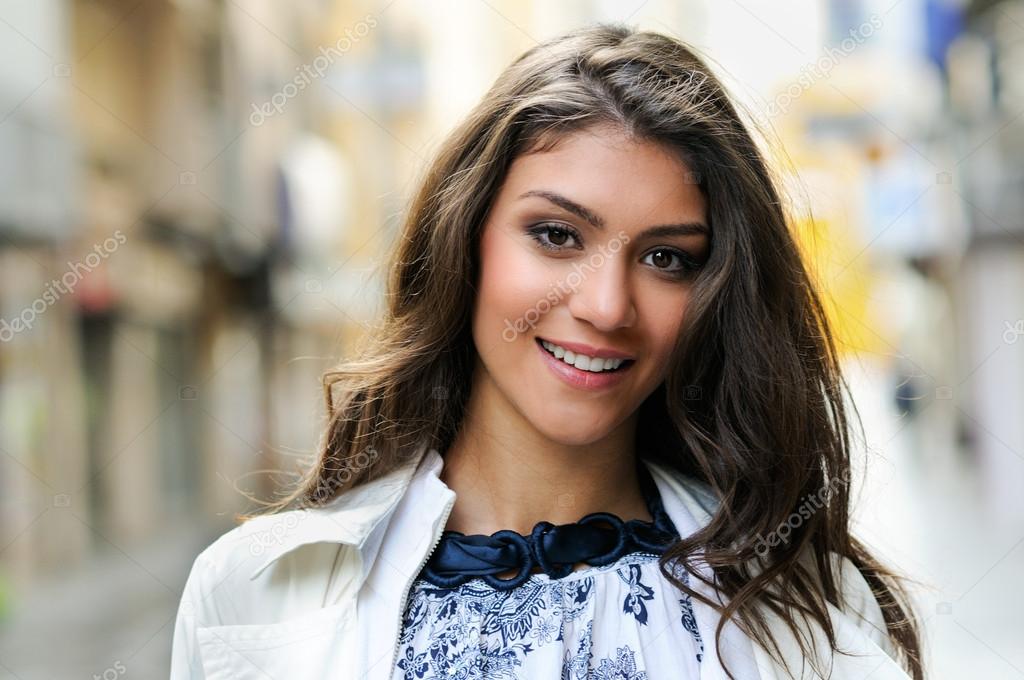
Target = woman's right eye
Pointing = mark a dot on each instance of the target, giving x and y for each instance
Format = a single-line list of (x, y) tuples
[(552, 236)]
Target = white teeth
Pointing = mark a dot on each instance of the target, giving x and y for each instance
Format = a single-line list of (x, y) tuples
[(582, 361)]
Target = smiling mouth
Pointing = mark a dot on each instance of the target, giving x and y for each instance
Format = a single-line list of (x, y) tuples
[(623, 365)]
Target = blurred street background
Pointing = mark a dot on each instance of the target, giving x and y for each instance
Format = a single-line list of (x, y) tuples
[(196, 197)]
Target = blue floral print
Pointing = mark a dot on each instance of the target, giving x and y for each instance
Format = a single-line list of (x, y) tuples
[(474, 631), (638, 592)]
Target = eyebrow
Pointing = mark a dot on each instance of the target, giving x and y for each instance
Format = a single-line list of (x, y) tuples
[(584, 213)]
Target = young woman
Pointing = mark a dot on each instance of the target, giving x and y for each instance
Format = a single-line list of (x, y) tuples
[(600, 432)]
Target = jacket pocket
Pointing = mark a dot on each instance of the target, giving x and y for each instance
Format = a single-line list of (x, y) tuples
[(313, 646)]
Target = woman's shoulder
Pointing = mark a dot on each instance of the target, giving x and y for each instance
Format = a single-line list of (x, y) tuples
[(248, 541), (229, 581), (227, 562), (859, 602), (231, 594)]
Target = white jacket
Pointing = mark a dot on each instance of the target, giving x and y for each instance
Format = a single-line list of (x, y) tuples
[(320, 593)]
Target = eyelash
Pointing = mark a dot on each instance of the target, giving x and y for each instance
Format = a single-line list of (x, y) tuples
[(688, 266)]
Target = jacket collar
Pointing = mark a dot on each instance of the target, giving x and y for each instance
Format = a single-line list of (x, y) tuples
[(359, 516), (349, 519)]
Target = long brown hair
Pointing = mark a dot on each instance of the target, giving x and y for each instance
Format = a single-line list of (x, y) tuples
[(752, 405)]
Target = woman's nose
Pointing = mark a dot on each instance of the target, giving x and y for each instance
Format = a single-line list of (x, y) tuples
[(604, 296)]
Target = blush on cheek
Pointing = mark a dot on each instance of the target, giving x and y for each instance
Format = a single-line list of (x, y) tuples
[(514, 284)]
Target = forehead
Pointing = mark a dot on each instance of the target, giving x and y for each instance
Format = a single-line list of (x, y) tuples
[(630, 181)]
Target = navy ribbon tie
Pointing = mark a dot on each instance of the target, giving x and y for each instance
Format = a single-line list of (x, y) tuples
[(556, 549)]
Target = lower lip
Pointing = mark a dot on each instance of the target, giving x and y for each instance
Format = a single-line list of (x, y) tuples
[(576, 377)]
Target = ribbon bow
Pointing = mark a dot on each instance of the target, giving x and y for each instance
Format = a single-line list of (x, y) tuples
[(556, 549)]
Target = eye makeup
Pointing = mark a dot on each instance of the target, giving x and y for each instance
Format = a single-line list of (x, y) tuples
[(542, 234)]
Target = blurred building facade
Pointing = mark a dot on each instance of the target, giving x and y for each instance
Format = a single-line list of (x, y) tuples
[(158, 260)]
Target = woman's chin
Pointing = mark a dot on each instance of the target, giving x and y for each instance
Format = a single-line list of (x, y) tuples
[(579, 432)]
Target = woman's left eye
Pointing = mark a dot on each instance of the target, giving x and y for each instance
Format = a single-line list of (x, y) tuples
[(685, 266), (553, 236)]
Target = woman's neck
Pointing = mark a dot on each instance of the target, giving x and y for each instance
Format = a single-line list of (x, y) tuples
[(508, 476)]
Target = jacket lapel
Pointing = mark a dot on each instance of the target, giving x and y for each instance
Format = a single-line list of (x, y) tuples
[(401, 545)]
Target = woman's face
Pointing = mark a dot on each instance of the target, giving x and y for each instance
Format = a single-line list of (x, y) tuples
[(592, 245)]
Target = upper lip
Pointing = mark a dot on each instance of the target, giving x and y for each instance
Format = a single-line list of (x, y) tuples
[(596, 352)]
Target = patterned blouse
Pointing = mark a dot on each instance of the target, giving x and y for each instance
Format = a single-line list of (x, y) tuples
[(621, 621)]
